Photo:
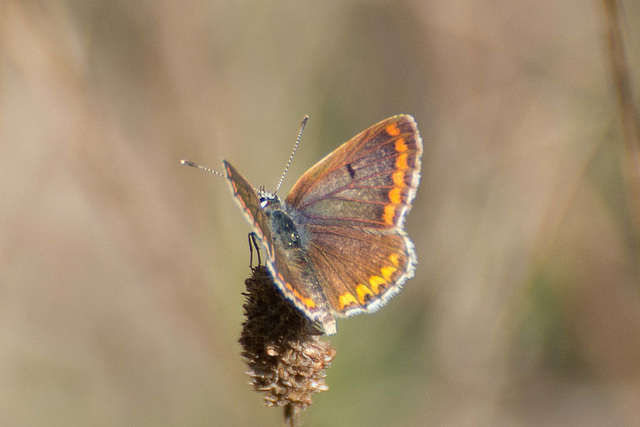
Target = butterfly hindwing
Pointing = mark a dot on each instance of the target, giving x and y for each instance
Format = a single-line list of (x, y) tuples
[(360, 269)]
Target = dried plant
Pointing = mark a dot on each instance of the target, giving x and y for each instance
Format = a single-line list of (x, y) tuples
[(287, 359)]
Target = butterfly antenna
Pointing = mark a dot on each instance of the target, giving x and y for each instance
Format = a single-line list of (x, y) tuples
[(202, 168), (293, 153)]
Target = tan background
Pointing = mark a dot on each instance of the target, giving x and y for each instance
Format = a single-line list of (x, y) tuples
[(121, 272)]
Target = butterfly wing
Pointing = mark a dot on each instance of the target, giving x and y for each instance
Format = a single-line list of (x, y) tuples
[(249, 202), (353, 204)]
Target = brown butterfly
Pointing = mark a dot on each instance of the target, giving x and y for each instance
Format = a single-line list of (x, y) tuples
[(336, 246)]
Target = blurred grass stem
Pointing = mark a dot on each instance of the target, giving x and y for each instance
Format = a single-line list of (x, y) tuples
[(627, 109)]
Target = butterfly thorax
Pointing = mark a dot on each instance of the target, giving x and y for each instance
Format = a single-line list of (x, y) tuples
[(286, 234)]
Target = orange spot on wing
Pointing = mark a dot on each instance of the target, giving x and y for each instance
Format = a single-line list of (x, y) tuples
[(362, 291), (398, 178), (401, 162), (394, 259), (395, 195), (288, 286), (309, 303), (375, 282), (346, 299), (387, 272), (401, 146), (392, 129), (389, 214)]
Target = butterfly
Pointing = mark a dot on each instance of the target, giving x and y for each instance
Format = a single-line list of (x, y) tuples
[(336, 245)]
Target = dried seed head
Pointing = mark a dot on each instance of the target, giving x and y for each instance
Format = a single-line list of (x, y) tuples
[(286, 358)]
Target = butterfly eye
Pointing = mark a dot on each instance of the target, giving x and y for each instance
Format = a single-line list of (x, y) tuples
[(267, 199), (264, 202)]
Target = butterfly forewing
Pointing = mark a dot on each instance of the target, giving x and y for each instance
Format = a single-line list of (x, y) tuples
[(369, 181), (249, 202)]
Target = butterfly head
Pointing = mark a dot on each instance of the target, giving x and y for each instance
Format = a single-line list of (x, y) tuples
[(268, 199)]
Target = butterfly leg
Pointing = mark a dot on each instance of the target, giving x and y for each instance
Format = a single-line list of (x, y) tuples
[(253, 244)]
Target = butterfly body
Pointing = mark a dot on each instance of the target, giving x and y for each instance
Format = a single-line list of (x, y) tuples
[(336, 245), (290, 238)]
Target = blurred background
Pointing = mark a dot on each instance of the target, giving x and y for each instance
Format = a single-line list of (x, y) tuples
[(121, 272)]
